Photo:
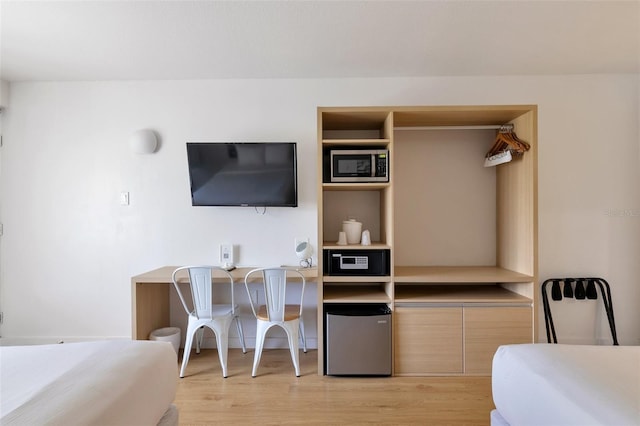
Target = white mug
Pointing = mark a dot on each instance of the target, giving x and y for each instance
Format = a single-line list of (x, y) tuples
[(342, 238), (366, 238)]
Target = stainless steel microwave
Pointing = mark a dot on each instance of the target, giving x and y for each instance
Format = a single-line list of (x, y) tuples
[(361, 165)]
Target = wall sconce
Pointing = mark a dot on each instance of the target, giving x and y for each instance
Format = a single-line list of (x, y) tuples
[(143, 141)]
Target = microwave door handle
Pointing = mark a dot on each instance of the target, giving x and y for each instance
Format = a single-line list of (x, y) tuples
[(373, 165)]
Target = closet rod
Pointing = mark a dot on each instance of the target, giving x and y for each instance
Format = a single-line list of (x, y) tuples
[(478, 127)]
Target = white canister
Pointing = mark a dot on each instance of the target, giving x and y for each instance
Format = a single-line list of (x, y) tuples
[(353, 229)]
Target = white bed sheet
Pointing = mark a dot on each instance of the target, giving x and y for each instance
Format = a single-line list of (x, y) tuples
[(117, 382), (546, 384)]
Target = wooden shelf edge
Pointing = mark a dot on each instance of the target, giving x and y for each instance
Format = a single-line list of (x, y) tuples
[(365, 186), (357, 299), (373, 246), (356, 279), (382, 142)]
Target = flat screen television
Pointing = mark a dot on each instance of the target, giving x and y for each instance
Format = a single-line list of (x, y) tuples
[(260, 174)]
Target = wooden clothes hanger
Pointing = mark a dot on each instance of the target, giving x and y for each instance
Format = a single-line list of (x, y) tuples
[(506, 145)]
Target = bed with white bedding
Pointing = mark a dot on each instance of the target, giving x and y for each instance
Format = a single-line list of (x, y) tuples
[(547, 384), (117, 382)]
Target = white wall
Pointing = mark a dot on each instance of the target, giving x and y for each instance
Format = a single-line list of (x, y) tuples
[(4, 93), (69, 249)]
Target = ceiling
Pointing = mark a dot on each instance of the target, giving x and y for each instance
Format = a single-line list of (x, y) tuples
[(150, 40)]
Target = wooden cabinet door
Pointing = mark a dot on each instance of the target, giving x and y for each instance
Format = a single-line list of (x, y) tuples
[(427, 340), (486, 328)]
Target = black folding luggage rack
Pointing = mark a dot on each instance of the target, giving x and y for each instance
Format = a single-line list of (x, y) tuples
[(580, 293)]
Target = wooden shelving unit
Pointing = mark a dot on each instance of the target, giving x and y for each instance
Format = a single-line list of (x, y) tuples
[(440, 215)]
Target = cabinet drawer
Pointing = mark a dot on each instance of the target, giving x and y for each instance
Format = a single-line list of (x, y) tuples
[(486, 328), (427, 340)]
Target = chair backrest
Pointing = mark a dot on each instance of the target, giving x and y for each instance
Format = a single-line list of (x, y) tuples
[(275, 290), (201, 283)]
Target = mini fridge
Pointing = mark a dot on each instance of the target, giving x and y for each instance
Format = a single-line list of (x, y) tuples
[(357, 340)]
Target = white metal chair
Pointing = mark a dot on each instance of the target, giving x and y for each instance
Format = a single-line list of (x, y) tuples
[(205, 313), (275, 312)]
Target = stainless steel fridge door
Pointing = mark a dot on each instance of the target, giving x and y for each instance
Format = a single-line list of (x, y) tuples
[(358, 344)]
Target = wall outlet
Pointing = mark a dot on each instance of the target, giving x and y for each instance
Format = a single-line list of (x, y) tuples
[(226, 254)]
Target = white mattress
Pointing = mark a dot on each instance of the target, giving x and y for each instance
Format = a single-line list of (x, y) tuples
[(545, 384), (93, 383)]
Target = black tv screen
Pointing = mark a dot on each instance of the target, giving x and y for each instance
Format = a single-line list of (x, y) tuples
[(243, 174)]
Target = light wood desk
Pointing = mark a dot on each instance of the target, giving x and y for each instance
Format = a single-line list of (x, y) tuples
[(150, 297)]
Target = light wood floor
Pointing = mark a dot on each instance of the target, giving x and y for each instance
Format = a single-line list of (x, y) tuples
[(277, 397)]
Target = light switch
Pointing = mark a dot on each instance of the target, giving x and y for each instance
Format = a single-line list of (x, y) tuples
[(124, 198), (226, 254)]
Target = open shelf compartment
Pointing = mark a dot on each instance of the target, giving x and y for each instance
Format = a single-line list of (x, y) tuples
[(352, 292), (457, 293), (458, 274)]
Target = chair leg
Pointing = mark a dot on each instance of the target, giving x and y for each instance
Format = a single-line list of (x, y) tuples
[(261, 331), (187, 350), (240, 334), (199, 339), (292, 327), (221, 330), (302, 336)]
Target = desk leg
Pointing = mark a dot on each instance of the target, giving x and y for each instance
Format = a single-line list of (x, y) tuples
[(151, 308)]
